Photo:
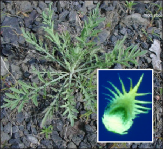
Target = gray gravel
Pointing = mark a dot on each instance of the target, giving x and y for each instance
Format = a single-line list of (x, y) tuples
[(22, 130)]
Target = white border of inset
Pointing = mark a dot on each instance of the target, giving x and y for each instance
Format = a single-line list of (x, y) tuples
[(98, 109)]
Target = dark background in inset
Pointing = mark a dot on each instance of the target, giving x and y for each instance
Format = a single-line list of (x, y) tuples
[(141, 130)]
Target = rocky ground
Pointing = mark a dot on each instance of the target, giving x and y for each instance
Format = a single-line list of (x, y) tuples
[(22, 130)]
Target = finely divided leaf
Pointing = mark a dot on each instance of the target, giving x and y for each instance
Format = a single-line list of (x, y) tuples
[(16, 90), (10, 95)]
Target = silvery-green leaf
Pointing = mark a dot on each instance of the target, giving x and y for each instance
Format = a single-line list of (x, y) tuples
[(10, 95), (20, 107), (41, 78), (24, 84), (16, 90), (34, 99)]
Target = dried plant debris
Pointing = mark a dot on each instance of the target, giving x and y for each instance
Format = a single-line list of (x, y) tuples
[(156, 62)]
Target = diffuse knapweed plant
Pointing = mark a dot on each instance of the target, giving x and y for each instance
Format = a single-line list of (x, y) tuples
[(78, 62)]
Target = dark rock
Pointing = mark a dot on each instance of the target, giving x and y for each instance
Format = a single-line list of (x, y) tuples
[(6, 50), (58, 140), (14, 141), (63, 15), (85, 18), (46, 142), (89, 5), (39, 10), (78, 29), (61, 144), (150, 36), (88, 128), (134, 27), (144, 45), (21, 40), (15, 129), (113, 38), (8, 33), (71, 145), (32, 139), (101, 25), (157, 31), (26, 74), (16, 135), (77, 138), (32, 61), (1, 127), (95, 2), (2, 110), (7, 128), (150, 30), (21, 127), (123, 31), (21, 145), (78, 106), (76, 3), (47, 2), (20, 117), (25, 6), (92, 137), (16, 70), (77, 7), (139, 8), (29, 126), (149, 60), (102, 37), (60, 126), (110, 8), (60, 6), (130, 32), (83, 9), (94, 116), (9, 7), (15, 146), (7, 1), (2, 5), (104, 7), (156, 37), (34, 131), (36, 23), (55, 136), (26, 142), (134, 145), (4, 137), (138, 40), (55, 9), (115, 3), (84, 145), (42, 5), (2, 17), (118, 66), (35, 4), (135, 19), (29, 20), (73, 16), (55, 17), (156, 82)]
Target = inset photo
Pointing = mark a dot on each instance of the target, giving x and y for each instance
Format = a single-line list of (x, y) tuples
[(125, 105)]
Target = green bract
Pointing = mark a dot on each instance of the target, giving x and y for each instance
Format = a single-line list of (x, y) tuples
[(123, 108), (77, 63)]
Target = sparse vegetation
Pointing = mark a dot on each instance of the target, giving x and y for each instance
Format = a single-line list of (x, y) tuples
[(47, 131)]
